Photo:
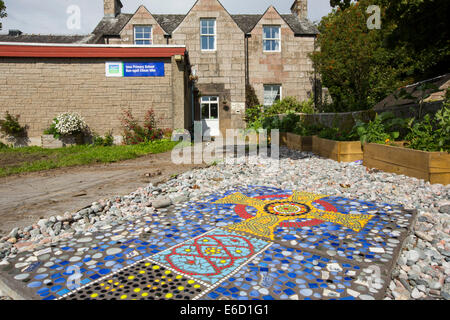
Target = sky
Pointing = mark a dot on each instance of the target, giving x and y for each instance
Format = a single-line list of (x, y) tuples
[(57, 16)]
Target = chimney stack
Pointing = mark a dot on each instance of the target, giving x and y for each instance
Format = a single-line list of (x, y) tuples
[(300, 8), (112, 8), (14, 32)]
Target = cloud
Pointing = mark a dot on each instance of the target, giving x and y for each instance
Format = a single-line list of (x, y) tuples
[(50, 16)]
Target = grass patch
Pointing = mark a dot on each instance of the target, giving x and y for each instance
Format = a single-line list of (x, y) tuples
[(30, 159)]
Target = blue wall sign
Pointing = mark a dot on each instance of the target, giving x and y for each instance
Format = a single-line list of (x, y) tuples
[(143, 69)]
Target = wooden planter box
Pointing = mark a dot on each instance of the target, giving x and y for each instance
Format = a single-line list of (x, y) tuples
[(299, 143), (283, 139), (430, 166), (342, 151)]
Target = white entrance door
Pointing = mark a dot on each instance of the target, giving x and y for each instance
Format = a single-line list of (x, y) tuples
[(210, 116)]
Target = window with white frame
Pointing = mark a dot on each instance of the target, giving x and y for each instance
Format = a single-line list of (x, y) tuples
[(271, 38), (143, 35), (272, 93), (210, 108), (208, 34)]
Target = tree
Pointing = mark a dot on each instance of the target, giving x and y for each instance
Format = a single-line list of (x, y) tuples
[(2, 11), (422, 28), (342, 4), (355, 67)]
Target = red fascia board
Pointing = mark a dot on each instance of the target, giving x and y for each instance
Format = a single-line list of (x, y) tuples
[(87, 52)]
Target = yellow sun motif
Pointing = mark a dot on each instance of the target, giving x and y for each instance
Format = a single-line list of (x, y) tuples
[(300, 205)]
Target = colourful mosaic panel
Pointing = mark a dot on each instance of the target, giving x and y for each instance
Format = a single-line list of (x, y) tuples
[(54, 271), (286, 273), (212, 256), (142, 281), (377, 242), (246, 243)]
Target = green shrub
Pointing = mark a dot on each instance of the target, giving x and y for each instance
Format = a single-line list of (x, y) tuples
[(106, 141), (383, 129), (52, 129), (290, 105), (251, 99), (253, 114), (10, 126), (338, 134), (3, 146), (303, 128), (134, 133), (430, 134)]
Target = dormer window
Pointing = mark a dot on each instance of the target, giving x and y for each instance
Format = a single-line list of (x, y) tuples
[(271, 38), (208, 34), (143, 35)]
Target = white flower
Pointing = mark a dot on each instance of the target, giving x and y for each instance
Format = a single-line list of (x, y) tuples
[(69, 123)]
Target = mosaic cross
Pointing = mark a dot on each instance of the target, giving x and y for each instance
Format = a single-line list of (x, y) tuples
[(300, 205)]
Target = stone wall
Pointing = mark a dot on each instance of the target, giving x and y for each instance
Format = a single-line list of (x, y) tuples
[(141, 17), (221, 72), (290, 68), (38, 89)]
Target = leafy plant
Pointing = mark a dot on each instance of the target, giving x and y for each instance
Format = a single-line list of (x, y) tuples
[(430, 134), (251, 99), (3, 146), (290, 105), (380, 130), (106, 141), (338, 134), (10, 126), (304, 128), (253, 114), (134, 133), (52, 130)]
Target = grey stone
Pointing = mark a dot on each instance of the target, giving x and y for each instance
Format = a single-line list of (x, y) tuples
[(412, 257), (445, 209), (42, 223), (14, 233), (35, 232), (161, 203)]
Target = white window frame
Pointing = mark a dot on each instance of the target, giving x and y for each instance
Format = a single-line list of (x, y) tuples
[(209, 103), (143, 39), (271, 39), (272, 86), (208, 34)]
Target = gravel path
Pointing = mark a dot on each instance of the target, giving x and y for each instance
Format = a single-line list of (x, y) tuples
[(423, 268)]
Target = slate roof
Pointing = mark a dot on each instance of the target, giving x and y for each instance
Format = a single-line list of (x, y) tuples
[(397, 99), (112, 26), (36, 38), (169, 22)]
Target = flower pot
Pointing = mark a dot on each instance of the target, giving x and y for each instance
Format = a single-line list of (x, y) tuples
[(49, 142)]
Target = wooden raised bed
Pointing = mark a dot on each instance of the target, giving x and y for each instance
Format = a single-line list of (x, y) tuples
[(283, 139), (430, 166), (342, 151), (300, 143)]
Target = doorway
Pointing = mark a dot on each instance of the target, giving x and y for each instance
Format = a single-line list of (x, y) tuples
[(210, 116)]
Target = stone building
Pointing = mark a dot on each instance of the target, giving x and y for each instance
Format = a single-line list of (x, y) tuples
[(226, 52)]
